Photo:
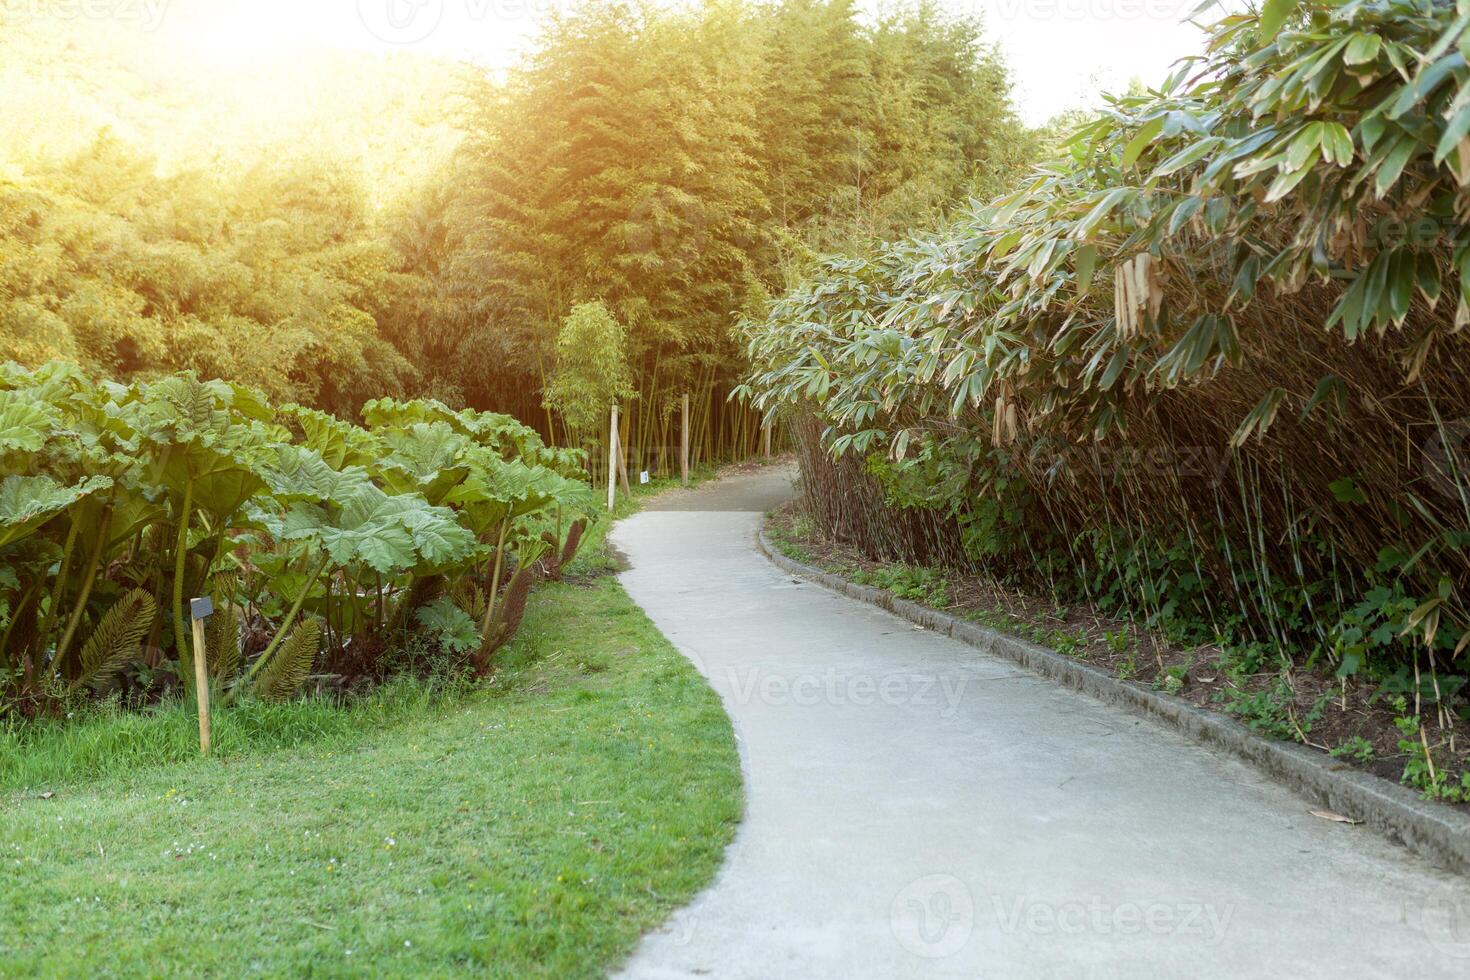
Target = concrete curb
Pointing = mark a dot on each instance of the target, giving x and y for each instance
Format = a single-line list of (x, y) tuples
[(1434, 831)]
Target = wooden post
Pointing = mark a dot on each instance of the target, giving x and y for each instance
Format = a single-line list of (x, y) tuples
[(684, 442), (199, 609), (766, 437), (612, 460), (623, 468)]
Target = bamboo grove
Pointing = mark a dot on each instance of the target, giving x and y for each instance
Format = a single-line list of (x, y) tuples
[(675, 163), (325, 546), (1207, 370)]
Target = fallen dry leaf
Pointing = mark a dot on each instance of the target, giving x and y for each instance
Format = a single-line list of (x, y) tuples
[(1334, 817)]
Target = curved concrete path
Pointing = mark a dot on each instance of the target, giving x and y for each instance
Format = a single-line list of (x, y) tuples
[(918, 809)]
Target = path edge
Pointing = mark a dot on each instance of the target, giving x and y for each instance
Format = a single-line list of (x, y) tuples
[(1433, 831)]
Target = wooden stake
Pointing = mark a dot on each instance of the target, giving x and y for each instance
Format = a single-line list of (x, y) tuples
[(612, 460), (201, 685), (766, 438), (623, 468), (684, 443)]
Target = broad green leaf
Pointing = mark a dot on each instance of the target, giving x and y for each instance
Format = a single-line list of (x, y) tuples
[(1361, 49), (1330, 389), (1086, 264), (1141, 140), (1393, 164), (1337, 143), (24, 422), (1304, 147), (1455, 130), (1346, 491), (1259, 419), (28, 502), (449, 625), (1273, 15)]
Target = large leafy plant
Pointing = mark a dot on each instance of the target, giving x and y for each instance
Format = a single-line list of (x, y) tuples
[(1219, 341), (322, 542)]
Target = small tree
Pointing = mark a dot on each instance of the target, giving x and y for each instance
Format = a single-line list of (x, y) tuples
[(591, 370)]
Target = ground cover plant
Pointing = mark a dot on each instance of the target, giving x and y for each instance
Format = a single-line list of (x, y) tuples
[(325, 546), (1206, 372), (533, 826)]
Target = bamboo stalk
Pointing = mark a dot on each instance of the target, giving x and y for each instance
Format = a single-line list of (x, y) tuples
[(684, 441)]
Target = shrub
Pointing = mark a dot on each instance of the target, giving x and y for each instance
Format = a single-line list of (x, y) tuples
[(322, 543), (1207, 369)]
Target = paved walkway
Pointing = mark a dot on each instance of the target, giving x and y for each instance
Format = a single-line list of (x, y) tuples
[(918, 809)]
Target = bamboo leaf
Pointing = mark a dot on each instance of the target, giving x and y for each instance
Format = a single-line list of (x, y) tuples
[(1141, 140), (1455, 130), (1273, 15), (1086, 264), (1259, 419), (1361, 49), (1330, 389)]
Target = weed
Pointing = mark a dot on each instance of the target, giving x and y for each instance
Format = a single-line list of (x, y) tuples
[(1354, 747), (1434, 782), (929, 586)]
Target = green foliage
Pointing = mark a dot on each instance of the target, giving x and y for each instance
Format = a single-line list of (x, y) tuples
[(117, 639), (677, 165), (1264, 711), (450, 626), (222, 641), (1355, 747), (1139, 377), (269, 283), (592, 371), (926, 585), (1420, 771), (412, 230), (287, 669), (139, 497)]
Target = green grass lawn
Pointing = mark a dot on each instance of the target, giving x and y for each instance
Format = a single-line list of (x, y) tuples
[(534, 827)]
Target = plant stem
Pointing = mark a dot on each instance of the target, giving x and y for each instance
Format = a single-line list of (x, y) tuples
[(285, 624), (15, 615), (181, 552), (378, 605), (494, 582), (59, 588), (93, 564)]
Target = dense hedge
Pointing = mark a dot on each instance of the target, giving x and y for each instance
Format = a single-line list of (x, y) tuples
[(322, 543), (1209, 369)]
